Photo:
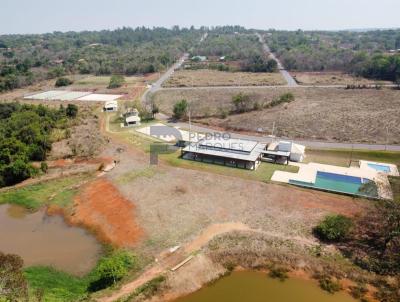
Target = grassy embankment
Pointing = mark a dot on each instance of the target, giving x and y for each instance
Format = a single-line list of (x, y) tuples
[(56, 192)]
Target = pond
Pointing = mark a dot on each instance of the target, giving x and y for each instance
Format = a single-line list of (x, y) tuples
[(258, 287), (46, 240)]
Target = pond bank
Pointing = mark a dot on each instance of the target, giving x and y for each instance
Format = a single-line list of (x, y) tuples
[(253, 286), (47, 240)]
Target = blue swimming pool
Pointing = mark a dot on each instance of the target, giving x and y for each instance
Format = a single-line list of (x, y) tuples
[(336, 183), (380, 168)]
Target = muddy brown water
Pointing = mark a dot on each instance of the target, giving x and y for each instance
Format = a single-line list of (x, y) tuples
[(47, 240), (258, 287)]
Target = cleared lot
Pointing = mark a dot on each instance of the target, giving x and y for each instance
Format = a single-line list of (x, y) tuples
[(333, 114), (173, 205), (332, 78), (205, 77)]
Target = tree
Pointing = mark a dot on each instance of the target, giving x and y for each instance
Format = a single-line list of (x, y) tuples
[(63, 82), (375, 240), (154, 110), (240, 101), (13, 286), (116, 81), (112, 268), (72, 110), (333, 228), (180, 109)]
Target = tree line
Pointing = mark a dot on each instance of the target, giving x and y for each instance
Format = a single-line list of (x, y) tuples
[(26, 59), (25, 136), (371, 54)]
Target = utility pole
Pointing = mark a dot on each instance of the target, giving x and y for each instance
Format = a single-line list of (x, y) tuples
[(273, 129), (387, 137)]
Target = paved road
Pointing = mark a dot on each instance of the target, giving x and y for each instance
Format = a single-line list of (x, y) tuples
[(158, 84), (267, 139), (286, 75)]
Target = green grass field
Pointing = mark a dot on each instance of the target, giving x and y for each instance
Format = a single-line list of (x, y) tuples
[(57, 286), (33, 197), (343, 157), (263, 173)]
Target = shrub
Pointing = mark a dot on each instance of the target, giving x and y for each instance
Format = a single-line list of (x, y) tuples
[(72, 110), (180, 109), (358, 291), (44, 167), (240, 101), (278, 273), (329, 285), (111, 269), (116, 81), (333, 228), (63, 82)]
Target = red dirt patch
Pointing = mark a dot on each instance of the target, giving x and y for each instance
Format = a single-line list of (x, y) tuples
[(101, 208)]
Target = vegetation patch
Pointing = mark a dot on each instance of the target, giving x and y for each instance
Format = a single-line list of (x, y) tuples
[(328, 284), (147, 290), (395, 185), (53, 285), (25, 136), (131, 176), (279, 273), (58, 192), (333, 228)]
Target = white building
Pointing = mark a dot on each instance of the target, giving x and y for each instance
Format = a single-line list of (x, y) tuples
[(132, 118), (111, 106), (284, 151), (230, 152)]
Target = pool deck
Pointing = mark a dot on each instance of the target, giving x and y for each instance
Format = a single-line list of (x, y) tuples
[(393, 168), (308, 172)]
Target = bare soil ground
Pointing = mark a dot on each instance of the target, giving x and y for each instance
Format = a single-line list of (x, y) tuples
[(174, 204), (206, 77), (100, 207), (333, 114), (332, 78)]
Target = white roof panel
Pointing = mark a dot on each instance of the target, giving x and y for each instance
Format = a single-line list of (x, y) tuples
[(100, 97)]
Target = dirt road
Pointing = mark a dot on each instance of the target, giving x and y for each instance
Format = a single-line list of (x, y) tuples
[(168, 260)]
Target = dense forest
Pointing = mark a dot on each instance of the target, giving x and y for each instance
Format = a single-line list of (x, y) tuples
[(25, 59), (232, 46), (371, 54), (26, 136)]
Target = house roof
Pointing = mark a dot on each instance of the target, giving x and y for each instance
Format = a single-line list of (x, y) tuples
[(111, 104), (228, 148), (132, 118)]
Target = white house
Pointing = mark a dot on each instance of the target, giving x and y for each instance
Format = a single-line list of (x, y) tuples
[(111, 106), (284, 151), (132, 118)]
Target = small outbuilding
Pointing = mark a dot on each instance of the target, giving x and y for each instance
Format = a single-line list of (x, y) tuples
[(111, 106), (283, 152), (132, 118)]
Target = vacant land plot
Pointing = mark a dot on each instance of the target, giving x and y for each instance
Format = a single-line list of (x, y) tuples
[(134, 86), (331, 78), (333, 114), (205, 77)]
